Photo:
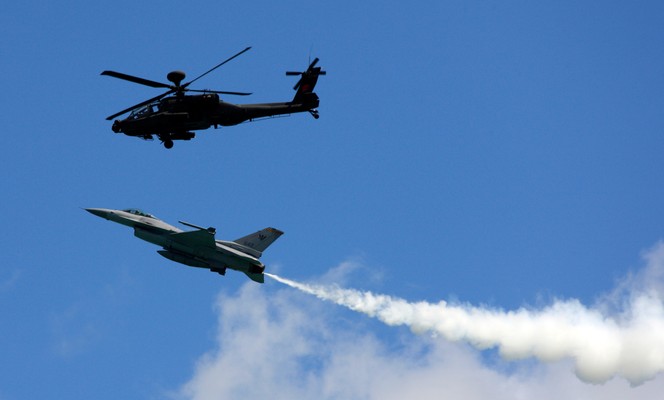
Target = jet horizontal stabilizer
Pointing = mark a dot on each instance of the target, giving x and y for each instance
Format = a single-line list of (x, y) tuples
[(239, 247)]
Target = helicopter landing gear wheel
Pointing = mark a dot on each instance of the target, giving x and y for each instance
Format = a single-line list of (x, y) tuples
[(168, 143)]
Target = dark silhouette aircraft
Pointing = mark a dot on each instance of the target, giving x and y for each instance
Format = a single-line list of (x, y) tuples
[(173, 115)]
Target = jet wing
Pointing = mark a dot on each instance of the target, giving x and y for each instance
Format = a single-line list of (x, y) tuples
[(199, 238)]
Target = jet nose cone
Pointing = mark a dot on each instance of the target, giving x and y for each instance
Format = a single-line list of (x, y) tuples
[(100, 212)]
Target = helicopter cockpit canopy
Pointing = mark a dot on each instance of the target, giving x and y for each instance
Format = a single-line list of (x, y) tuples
[(138, 212), (144, 111)]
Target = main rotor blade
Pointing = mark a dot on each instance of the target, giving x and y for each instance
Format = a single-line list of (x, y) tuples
[(220, 92), (146, 102), (136, 79), (215, 67), (313, 64)]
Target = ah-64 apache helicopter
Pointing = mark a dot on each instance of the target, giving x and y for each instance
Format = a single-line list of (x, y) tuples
[(173, 115)]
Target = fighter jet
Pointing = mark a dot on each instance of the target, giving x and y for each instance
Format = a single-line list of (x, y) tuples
[(197, 248)]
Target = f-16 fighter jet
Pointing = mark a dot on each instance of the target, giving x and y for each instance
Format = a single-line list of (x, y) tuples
[(197, 248)]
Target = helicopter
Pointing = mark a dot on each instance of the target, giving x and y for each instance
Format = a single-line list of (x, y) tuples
[(173, 115)]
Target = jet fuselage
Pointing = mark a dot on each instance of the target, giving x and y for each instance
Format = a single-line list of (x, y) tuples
[(196, 248)]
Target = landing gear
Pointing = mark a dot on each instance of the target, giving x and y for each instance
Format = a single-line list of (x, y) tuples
[(314, 113), (168, 143)]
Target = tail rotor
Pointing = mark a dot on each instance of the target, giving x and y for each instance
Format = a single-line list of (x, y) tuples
[(311, 72)]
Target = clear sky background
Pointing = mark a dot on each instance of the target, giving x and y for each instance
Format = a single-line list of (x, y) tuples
[(493, 153)]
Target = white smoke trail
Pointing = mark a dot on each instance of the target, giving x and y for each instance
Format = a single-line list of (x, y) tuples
[(629, 343)]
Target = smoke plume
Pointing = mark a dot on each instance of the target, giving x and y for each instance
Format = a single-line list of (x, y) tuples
[(621, 336)]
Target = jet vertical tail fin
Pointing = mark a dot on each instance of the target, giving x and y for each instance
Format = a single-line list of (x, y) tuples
[(260, 240)]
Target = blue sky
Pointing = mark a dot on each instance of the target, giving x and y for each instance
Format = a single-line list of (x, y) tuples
[(502, 154)]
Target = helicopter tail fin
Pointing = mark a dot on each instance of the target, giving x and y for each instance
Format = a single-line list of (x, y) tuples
[(305, 86)]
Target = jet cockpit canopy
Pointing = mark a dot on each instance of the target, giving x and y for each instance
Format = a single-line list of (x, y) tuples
[(138, 212)]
